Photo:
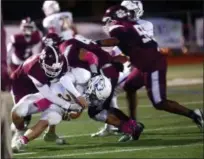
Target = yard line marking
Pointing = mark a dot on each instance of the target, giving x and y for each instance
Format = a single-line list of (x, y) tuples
[(26, 153), (145, 106), (119, 150), (145, 130)]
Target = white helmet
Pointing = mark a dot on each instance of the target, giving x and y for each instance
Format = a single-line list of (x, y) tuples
[(99, 88), (135, 6), (50, 7)]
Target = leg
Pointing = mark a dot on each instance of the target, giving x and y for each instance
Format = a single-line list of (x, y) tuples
[(108, 129), (51, 116), (116, 118), (156, 89), (134, 82)]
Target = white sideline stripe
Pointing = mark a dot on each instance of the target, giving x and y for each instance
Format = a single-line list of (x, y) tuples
[(145, 130), (26, 153), (119, 150), (148, 105)]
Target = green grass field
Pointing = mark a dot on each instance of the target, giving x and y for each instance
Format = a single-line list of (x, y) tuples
[(165, 136)]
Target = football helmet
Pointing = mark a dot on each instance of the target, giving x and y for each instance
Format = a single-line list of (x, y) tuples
[(52, 39), (99, 88), (114, 14), (27, 26), (51, 61), (50, 7), (135, 7)]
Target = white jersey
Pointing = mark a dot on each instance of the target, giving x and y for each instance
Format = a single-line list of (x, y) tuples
[(147, 26), (60, 24)]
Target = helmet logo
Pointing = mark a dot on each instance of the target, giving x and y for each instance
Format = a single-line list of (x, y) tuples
[(121, 13), (100, 85)]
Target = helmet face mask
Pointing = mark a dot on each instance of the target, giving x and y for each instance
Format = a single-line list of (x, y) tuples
[(108, 23), (27, 27)]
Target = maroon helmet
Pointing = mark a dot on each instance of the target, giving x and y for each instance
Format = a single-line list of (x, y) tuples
[(27, 26), (52, 39), (114, 14), (51, 61)]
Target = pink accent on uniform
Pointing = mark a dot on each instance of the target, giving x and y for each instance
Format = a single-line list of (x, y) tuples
[(91, 58), (24, 139), (128, 127), (133, 73), (42, 104)]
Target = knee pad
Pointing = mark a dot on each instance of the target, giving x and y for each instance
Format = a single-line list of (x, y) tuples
[(160, 105), (53, 118), (96, 114), (102, 116)]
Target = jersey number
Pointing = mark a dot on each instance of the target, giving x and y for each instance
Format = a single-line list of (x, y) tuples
[(143, 33), (66, 97)]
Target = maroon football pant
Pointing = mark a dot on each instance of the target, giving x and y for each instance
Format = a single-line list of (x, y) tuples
[(154, 82)]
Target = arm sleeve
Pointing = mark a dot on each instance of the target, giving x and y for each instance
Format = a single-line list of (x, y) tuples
[(48, 94), (68, 81)]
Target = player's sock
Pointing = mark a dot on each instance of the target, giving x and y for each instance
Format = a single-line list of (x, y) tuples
[(128, 127)]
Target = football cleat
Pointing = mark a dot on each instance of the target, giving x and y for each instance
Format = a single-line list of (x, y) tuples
[(52, 137), (17, 146), (16, 136), (106, 131), (135, 136), (199, 119)]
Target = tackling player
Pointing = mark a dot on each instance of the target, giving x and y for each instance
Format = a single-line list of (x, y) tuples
[(136, 8), (30, 84), (144, 54), (84, 53)]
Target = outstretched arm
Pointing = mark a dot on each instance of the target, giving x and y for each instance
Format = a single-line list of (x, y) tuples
[(107, 42)]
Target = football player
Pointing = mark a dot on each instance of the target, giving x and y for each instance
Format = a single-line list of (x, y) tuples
[(84, 53), (100, 88), (22, 44), (58, 22), (144, 54), (30, 83)]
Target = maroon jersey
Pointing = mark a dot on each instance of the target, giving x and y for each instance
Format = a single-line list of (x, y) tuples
[(21, 78), (22, 47), (71, 51), (134, 42)]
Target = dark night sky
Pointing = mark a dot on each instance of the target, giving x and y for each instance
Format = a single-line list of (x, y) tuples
[(14, 10)]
